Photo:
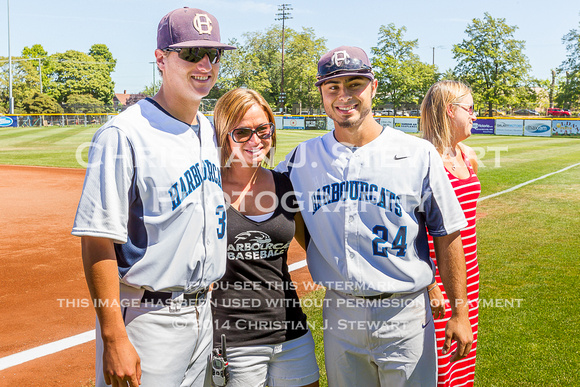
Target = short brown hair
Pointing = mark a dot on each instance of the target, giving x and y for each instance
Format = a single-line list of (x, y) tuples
[(228, 113)]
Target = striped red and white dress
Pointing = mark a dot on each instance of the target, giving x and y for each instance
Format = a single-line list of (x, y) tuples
[(461, 372)]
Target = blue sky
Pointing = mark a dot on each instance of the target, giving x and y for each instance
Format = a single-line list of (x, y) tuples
[(128, 27)]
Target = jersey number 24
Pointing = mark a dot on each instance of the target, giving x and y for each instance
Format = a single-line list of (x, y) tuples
[(381, 243)]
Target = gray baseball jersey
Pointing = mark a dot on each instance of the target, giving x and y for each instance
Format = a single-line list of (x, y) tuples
[(366, 210), (154, 186)]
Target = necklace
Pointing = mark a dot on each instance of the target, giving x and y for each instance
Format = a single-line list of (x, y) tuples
[(452, 160)]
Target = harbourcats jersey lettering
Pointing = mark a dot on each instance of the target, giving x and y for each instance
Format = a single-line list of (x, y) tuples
[(356, 190), (194, 176), (251, 245)]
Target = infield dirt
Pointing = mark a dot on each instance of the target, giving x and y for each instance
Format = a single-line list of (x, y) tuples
[(43, 293)]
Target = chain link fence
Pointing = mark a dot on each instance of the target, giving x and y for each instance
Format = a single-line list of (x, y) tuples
[(65, 119)]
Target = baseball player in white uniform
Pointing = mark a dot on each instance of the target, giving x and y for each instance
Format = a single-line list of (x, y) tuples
[(152, 218), (367, 195)]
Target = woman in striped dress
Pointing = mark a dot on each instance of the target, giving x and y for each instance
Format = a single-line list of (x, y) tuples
[(447, 117)]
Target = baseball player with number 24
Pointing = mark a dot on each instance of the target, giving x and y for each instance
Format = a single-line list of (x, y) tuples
[(368, 192)]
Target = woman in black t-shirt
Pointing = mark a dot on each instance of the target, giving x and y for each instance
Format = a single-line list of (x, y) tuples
[(255, 303)]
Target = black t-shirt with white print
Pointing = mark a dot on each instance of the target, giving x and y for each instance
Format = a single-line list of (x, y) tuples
[(255, 302)]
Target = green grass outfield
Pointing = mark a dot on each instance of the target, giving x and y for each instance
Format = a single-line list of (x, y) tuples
[(529, 248)]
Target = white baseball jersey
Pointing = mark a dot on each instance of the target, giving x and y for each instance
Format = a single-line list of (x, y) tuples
[(366, 210), (154, 186)]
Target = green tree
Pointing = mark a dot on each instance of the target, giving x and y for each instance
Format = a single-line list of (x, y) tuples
[(75, 72), (83, 103), (569, 94), (38, 103), (151, 89), (25, 82), (35, 67), (257, 64), (36, 51), (492, 61), (402, 77), (301, 66), (101, 53), (64, 74)]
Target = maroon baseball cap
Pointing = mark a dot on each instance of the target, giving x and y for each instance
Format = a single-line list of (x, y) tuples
[(189, 27), (344, 61)]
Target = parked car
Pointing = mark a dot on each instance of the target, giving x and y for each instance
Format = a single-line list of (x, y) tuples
[(526, 112), (388, 112), (415, 113), (557, 112)]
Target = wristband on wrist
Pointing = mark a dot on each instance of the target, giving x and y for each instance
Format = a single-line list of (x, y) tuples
[(432, 287)]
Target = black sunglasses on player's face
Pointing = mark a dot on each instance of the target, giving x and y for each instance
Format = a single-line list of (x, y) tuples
[(195, 54)]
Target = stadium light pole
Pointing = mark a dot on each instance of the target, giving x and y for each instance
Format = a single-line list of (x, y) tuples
[(283, 15), (154, 68), (10, 98)]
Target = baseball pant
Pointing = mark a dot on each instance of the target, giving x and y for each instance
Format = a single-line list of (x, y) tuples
[(288, 364), (388, 342), (173, 343)]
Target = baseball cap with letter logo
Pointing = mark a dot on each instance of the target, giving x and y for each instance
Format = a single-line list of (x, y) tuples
[(189, 27), (344, 61)]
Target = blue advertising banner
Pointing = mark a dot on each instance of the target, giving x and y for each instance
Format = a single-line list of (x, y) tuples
[(483, 126), (505, 127), (538, 128), (295, 122), (8, 121)]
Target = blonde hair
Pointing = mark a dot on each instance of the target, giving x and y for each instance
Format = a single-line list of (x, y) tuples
[(435, 122), (230, 110)]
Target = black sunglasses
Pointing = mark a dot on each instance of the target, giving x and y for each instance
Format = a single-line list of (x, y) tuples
[(195, 54), (241, 135)]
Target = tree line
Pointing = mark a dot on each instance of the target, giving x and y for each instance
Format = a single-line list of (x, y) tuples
[(490, 59), (72, 81)]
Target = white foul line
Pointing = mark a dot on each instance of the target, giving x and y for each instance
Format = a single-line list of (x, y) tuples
[(48, 349), (526, 183), (297, 265), (69, 342)]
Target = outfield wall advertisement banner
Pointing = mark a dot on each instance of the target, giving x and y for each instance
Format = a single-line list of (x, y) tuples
[(329, 124), (386, 121), (8, 121), (293, 123), (483, 126), (509, 127), (408, 125), (565, 127), (537, 128)]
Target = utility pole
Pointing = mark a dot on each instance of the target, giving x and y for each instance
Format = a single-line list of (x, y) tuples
[(40, 73), (10, 98), (434, 47), (433, 56), (283, 15)]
